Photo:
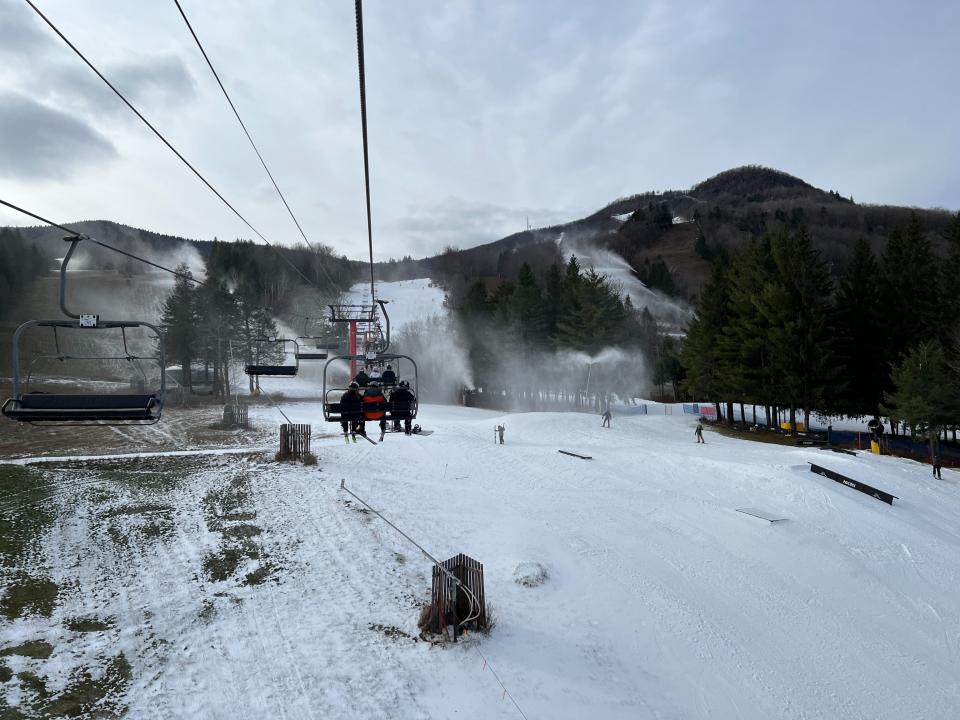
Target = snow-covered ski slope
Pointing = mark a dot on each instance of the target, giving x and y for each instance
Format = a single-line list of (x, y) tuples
[(407, 300), (662, 601)]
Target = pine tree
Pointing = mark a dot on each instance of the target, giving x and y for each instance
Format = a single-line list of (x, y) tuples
[(950, 282), (910, 289), (218, 323), (925, 393), (795, 306), (700, 356), (179, 319), (747, 373), (863, 356)]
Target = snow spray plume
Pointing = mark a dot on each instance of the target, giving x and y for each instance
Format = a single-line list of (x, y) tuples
[(664, 309), (435, 344), (524, 379)]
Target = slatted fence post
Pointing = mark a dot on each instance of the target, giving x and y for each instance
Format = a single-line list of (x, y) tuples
[(294, 441), (450, 603)]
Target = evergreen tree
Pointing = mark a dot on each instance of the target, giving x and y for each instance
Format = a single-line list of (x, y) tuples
[(950, 283), (179, 320), (218, 323), (795, 305), (526, 315), (863, 356), (911, 288), (700, 356), (925, 394), (747, 373)]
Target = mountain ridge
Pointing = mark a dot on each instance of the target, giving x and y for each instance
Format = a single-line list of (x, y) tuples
[(672, 229)]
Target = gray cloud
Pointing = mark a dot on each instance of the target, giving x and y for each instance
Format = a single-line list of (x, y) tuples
[(40, 142), (464, 223), (18, 32), (162, 77)]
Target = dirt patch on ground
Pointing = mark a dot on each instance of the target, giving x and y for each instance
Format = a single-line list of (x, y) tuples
[(88, 625), (28, 595), (181, 427), (37, 649)]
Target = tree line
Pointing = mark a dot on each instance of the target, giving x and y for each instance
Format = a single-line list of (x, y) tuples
[(532, 335), (773, 328), (20, 263), (224, 322)]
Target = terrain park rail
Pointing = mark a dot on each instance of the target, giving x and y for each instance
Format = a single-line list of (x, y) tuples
[(855, 484)]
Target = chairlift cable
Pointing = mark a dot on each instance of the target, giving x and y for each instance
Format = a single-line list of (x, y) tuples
[(250, 138), (101, 244), (363, 126), (164, 140)]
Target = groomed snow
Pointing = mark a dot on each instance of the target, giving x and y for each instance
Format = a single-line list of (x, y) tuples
[(661, 601), (407, 300)]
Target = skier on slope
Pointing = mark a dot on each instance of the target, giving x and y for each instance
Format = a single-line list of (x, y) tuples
[(936, 461), (699, 433), (499, 429), (606, 418), (350, 403)]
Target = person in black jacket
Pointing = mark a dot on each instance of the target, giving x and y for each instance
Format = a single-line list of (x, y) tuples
[(403, 396), (389, 377), (362, 378), (351, 403)]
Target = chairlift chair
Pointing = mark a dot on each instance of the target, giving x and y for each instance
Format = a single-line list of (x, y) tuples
[(319, 345), (259, 370), (364, 320), (84, 408), (333, 412)]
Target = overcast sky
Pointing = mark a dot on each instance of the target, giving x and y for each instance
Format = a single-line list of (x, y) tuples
[(481, 113)]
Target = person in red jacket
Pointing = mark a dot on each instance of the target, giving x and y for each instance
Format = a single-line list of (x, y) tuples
[(372, 397)]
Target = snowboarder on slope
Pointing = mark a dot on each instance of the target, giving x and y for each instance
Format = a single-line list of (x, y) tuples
[(699, 433), (499, 430), (936, 461), (606, 418)]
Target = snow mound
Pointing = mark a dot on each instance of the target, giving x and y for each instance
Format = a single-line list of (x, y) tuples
[(530, 574)]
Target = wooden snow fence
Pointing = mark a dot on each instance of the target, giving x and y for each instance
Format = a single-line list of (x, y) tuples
[(450, 604), (235, 415), (294, 441)]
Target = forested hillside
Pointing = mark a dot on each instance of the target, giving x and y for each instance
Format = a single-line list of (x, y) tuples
[(277, 275), (669, 238), (776, 328)]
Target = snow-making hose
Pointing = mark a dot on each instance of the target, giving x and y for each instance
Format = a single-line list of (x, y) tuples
[(474, 602)]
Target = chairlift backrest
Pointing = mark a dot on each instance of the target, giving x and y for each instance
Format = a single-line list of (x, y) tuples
[(87, 407)]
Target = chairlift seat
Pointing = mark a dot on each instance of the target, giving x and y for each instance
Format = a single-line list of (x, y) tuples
[(38, 407), (271, 370), (399, 410)]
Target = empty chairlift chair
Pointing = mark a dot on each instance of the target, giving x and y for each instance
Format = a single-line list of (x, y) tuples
[(276, 369), (85, 407)]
